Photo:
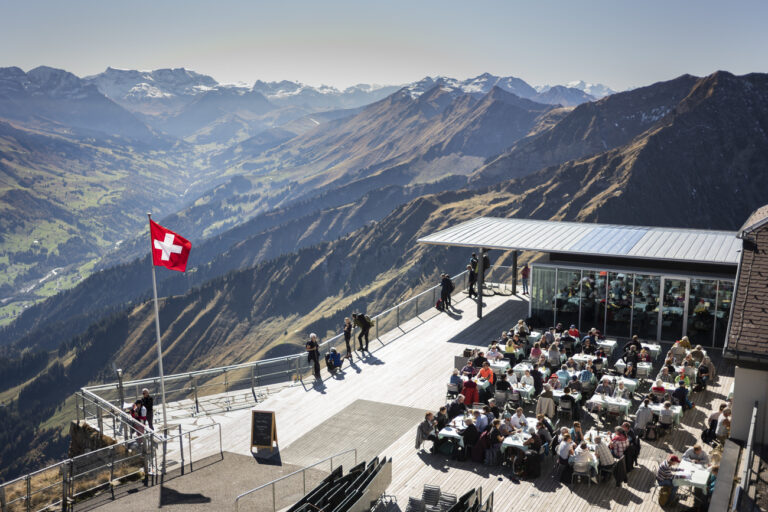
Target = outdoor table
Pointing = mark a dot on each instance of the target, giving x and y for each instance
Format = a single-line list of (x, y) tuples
[(520, 368), (608, 345), (600, 401), (688, 474), (629, 384), (451, 431), (500, 366), (620, 366), (518, 438), (583, 359), (533, 337), (677, 411), (519, 353), (525, 391), (557, 393), (653, 348), (481, 383)]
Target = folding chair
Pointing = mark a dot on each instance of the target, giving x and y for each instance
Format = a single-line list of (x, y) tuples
[(447, 500), (431, 495), (452, 390), (414, 505), (581, 469), (613, 411), (565, 410), (515, 399), (665, 423), (501, 398), (478, 406)]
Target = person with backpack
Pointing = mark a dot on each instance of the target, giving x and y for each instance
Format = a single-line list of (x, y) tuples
[(445, 290), (473, 262), (486, 263), (148, 402), (365, 323), (348, 336)]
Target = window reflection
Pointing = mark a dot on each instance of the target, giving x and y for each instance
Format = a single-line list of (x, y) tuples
[(723, 310), (567, 300), (646, 306), (701, 311), (619, 304), (542, 296), (592, 300)]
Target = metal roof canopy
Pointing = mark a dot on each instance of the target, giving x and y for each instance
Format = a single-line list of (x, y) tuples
[(642, 242)]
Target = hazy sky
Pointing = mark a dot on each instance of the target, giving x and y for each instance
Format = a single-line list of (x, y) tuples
[(622, 43)]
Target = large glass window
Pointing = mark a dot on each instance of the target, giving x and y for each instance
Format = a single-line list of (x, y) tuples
[(619, 305), (592, 300), (673, 309), (543, 288), (567, 299), (645, 319), (701, 311), (723, 310)]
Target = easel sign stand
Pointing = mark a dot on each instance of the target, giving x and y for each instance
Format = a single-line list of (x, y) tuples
[(263, 431)]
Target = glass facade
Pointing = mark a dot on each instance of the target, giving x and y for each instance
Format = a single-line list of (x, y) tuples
[(542, 296), (618, 321), (620, 304)]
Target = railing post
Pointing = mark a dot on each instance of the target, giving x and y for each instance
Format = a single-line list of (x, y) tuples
[(252, 379), (416, 300), (397, 311), (194, 390), (100, 420), (28, 499), (189, 436), (274, 507), (304, 480), (77, 412), (226, 382), (181, 449), (146, 454), (3, 502), (112, 471), (377, 331)]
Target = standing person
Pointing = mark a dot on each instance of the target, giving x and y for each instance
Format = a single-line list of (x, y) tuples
[(445, 290), (471, 279), (348, 336), (364, 323), (312, 354), (147, 401), (486, 263), (525, 273), (473, 262)]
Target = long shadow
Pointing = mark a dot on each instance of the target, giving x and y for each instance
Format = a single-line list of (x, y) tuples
[(372, 360), (268, 457), (492, 323), (170, 496), (435, 461)]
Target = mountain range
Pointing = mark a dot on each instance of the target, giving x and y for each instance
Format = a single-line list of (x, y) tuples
[(298, 224)]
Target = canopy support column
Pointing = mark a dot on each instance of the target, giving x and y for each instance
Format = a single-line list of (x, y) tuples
[(480, 283), (514, 273)]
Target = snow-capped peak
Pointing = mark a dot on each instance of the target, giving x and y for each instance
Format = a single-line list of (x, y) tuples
[(593, 89)]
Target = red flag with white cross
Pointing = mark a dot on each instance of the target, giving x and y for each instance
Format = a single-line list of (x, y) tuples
[(168, 249)]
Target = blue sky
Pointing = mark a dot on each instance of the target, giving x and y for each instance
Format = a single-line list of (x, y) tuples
[(619, 43)]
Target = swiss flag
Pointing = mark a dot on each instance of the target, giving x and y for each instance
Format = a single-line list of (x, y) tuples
[(168, 249)]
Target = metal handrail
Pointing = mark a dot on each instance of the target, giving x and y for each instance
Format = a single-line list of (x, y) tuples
[(302, 470), (742, 488)]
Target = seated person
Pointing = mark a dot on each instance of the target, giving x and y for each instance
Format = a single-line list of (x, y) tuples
[(534, 443), (677, 352), (575, 384), (681, 395), (630, 371), (644, 415), (586, 376), (605, 458), (481, 421), (522, 329), (554, 382), (577, 435), (503, 384), (573, 331), (542, 431), (702, 376), (442, 418), (582, 455), (568, 398), (553, 356), (469, 369), (666, 473), (568, 343), (456, 379), (559, 328), (696, 454), (708, 363), (563, 374), (658, 387), (592, 337), (619, 442), (634, 342), (526, 380), (644, 356), (456, 407), (565, 449), (630, 356), (334, 360), (697, 354), (510, 347), (669, 363), (604, 388), (536, 351), (571, 364), (666, 412), (492, 410), (426, 431), (682, 377), (470, 434), (665, 376), (549, 337), (588, 347), (518, 420), (503, 338), (685, 343), (512, 377), (479, 360), (494, 354), (486, 372), (621, 391)]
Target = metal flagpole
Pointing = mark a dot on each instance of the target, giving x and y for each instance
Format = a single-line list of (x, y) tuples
[(157, 329)]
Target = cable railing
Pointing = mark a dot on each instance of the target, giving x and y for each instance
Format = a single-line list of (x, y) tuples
[(238, 386), (290, 483)]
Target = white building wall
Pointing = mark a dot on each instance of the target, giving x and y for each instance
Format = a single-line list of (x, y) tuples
[(750, 386)]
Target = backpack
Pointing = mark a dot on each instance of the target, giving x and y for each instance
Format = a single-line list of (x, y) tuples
[(650, 432), (707, 435), (439, 304), (664, 494), (368, 320)]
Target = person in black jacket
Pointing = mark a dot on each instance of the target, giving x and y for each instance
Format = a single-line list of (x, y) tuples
[(147, 401), (313, 354), (471, 279), (446, 286), (456, 407), (362, 322), (470, 436), (538, 380), (348, 336)]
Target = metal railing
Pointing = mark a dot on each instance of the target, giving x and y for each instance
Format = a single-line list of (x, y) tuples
[(169, 449), (303, 472), (742, 489), (239, 386), (61, 485)]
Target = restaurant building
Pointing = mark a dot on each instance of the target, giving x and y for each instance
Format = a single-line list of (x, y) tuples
[(658, 283)]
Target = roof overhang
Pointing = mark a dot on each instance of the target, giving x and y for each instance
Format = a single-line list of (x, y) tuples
[(610, 240)]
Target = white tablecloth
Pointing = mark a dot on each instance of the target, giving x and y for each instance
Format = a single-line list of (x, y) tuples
[(677, 411), (525, 391), (582, 359), (481, 383), (620, 366), (451, 431), (500, 366), (520, 368), (534, 337), (608, 345), (653, 348), (689, 474), (556, 394), (599, 401)]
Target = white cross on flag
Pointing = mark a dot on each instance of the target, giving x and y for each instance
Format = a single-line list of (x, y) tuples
[(168, 249)]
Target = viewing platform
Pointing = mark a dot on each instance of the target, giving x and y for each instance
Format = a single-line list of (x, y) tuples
[(374, 405)]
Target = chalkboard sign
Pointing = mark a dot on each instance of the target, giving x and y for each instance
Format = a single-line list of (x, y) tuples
[(263, 429)]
